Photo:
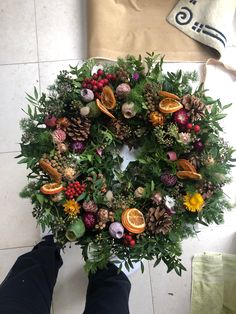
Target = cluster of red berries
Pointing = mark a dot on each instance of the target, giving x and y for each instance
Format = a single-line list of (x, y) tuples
[(128, 240), (196, 128), (74, 189), (98, 81)]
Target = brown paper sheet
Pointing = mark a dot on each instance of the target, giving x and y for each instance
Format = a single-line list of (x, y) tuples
[(120, 27)]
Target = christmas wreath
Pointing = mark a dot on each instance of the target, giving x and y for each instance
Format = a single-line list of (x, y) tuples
[(72, 140)]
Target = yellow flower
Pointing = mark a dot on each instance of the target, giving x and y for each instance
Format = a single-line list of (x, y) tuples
[(194, 203), (71, 207)]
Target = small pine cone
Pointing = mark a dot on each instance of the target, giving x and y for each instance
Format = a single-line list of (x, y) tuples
[(90, 207), (121, 130), (122, 75), (79, 129), (195, 107), (158, 221)]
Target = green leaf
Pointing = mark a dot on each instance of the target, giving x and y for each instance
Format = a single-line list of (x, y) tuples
[(35, 93), (152, 186), (23, 160), (142, 267), (81, 197), (40, 198)]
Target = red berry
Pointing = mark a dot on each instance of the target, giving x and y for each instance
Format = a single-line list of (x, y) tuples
[(105, 81), (101, 81), (197, 128), (100, 86), (89, 86), (84, 85), (189, 126), (95, 76), (95, 87), (100, 72), (132, 243), (109, 76)]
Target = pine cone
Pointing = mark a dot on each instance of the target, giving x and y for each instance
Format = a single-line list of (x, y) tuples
[(120, 129), (79, 129), (195, 107), (122, 75), (158, 221)]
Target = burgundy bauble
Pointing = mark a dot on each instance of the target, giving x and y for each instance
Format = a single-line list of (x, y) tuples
[(198, 145), (89, 220), (78, 147)]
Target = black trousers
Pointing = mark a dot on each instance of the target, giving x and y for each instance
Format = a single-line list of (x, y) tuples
[(28, 287)]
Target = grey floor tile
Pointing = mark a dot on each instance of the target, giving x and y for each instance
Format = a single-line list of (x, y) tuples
[(15, 81), (17, 31), (18, 227), (61, 29)]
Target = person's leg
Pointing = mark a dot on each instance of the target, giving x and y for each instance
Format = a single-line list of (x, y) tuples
[(108, 292), (28, 287)]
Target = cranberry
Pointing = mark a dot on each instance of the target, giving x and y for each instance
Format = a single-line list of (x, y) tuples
[(100, 86), (197, 128), (109, 76), (100, 72)]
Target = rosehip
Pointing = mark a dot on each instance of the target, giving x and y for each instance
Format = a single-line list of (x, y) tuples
[(132, 243), (129, 237), (197, 128), (189, 126)]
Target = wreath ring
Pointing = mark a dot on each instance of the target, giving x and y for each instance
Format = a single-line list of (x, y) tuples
[(71, 142)]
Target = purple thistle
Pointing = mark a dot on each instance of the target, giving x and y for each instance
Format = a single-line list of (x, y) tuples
[(78, 147), (135, 76)]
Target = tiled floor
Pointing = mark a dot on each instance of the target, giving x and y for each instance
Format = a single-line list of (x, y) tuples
[(37, 39)]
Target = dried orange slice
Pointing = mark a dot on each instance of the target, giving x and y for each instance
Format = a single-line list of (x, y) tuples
[(184, 164), (133, 220), (104, 109), (51, 188), (166, 94), (169, 105), (189, 175), (108, 98)]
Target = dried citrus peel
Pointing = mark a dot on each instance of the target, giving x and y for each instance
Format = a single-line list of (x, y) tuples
[(108, 98), (133, 220), (169, 105), (104, 109), (166, 94), (51, 188), (185, 165), (188, 175)]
